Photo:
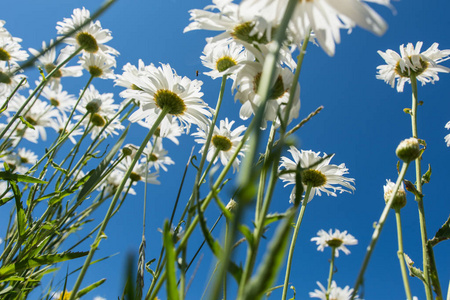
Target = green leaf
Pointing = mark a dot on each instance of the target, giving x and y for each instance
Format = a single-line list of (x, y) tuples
[(38, 261), (96, 175), (272, 261), (5, 200), (426, 177), (26, 123), (21, 218), (442, 234), (7, 175), (90, 288), (171, 285), (413, 271), (270, 218), (57, 167)]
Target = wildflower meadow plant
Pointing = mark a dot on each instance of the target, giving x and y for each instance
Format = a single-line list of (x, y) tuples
[(202, 185)]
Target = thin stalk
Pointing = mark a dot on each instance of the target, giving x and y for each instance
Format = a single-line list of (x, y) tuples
[(330, 274), (377, 231), (400, 255), (423, 228), (5, 105), (105, 221), (294, 240)]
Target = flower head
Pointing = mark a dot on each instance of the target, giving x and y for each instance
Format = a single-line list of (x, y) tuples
[(99, 65), (336, 240), (399, 198), (224, 142), (447, 137), (410, 62), (336, 293), (317, 172), (162, 89), (90, 37)]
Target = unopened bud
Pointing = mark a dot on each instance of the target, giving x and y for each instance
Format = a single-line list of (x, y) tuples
[(408, 150), (129, 150), (399, 198), (231, 205)]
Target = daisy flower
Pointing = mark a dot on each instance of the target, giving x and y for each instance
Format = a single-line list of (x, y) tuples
[(167, 129), (48, 61), (336, 240), (224, 57), (247, 85), (3, 32), (424, 66), (180, 96), (58, 98), (323, 176), (447, 137), (102, 109), (112, 182), (100, 66), (324, 17), (157, 155), (336, 293), (91, 37), (224, 16), (140, 171), (9, 79), (10, 51), (224, 141)]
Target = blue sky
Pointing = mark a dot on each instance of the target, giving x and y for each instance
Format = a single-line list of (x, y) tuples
[(362, 123)]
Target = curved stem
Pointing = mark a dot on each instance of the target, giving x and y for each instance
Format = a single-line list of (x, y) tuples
[(423, 228), (400, 255), (377, 231), (105, 221), (293, 241)]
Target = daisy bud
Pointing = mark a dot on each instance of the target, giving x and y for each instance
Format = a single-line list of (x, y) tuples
[(400, 197), (94, 106), (408, 150), (231, 205)]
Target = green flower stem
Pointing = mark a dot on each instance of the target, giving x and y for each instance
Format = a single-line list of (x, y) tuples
[(247, 174), (211, 163), (423, 228), (105, 221), (400, 255), (41, 84), (154, 289), (377, 231), (294, 240), (330, 275), (5, 105)]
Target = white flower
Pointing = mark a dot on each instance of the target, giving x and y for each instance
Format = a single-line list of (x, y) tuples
[(10, 51), (224, 57), (336, 293), (224, 140), (337, 240), (157, 155), (5, 191), (447, 137), (100, 66), (99, 298), (140, 171), (180, 96), (48, 61), (324, 17), (4, 33), (61, 121), (224, 16), (58, 98), (424, 66), (167, 129), (247, 84), (9, 80), (101, 109), (112, 182), (91, 37), (323, 177)]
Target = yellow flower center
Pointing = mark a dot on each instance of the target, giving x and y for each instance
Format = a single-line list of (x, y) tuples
[(31, 120), (94, 106), (4, 55), (54, 102), (225, 63), (135, 176), (277, 90), (153, 157), (168, 99), (5, 78), (49, 67), (98, 120), (95, 71), (87, 42), (221, 142), (335, 243), (242, 32), (408, 72), (313, 177)]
